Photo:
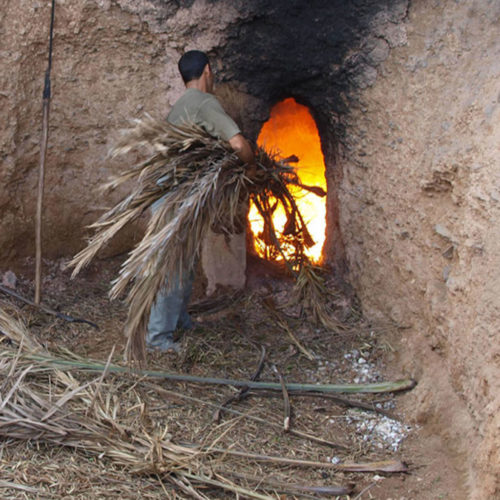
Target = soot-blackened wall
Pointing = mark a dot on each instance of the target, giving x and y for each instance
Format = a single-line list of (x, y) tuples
[(321, 53), (113, 60)]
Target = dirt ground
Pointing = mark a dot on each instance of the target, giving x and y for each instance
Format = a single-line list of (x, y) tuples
[(227, 342)]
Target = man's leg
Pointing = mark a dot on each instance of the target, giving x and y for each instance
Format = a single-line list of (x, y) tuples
[(163, 319), (168, 313), (184, 321)]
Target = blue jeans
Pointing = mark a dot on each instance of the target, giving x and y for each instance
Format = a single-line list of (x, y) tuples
[(169, 312)]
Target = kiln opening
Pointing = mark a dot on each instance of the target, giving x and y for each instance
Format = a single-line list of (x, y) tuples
[(291, 130)]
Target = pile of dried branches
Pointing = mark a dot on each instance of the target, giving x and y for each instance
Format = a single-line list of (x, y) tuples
[(47, 405), (107, 417), (194, 182)]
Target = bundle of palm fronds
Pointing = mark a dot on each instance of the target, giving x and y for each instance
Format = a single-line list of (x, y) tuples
[(312, 294), (194, 182)]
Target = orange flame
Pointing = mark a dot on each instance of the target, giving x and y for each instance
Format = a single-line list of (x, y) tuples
[(291, 130)]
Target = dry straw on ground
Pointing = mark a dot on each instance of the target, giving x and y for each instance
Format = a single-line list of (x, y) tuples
[(194, 182), (50, 399), (45, 404)]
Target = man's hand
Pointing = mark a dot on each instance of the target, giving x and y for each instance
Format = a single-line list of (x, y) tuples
[(245, 153), (243, 149)]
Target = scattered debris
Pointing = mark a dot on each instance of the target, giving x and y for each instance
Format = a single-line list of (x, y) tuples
[(9, 279), (52, 400), (178, 415), (364, 370), (380, 430)]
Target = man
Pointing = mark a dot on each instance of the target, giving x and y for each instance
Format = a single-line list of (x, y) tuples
[(197, 105)]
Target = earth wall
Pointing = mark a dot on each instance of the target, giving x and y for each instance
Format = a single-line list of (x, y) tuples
[(420, 216)]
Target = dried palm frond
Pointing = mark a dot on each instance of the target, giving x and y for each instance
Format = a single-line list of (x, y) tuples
[(14, 330), (311, 292), (195, 182), (52, 407)]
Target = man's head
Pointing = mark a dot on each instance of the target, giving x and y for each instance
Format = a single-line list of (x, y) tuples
[(194, 65)]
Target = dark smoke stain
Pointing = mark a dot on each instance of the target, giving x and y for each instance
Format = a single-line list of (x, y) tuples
[(313, 50)]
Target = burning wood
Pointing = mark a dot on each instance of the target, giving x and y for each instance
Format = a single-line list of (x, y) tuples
[(291, 130)]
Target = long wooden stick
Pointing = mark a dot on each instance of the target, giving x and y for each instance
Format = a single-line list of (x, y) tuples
[(294, 488), (380, 466), (335, 398), (41, 172), (39, 205)]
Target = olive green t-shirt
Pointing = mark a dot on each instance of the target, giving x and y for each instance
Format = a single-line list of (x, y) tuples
[(205, 111)]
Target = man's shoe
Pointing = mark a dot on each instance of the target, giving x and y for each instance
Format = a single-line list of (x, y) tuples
[(165, 344)]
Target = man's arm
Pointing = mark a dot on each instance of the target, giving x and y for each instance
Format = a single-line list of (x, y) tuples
[(217, 122)]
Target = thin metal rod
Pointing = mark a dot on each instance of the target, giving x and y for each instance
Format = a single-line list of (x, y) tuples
[(51, 38), (48, 310)]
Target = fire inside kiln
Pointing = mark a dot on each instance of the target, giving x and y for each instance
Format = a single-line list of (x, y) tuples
[(291, 130)]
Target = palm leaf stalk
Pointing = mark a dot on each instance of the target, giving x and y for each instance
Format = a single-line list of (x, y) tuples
[(47, 405), (53, 407), (195, 182), (50, 362), (32, 353)]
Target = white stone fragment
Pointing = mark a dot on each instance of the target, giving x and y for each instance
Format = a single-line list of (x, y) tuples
[(9, 280)]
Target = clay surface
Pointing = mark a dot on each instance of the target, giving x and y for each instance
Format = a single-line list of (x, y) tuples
[(420, 212)]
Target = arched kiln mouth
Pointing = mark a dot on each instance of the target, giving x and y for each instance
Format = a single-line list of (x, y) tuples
[(291, 131)]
